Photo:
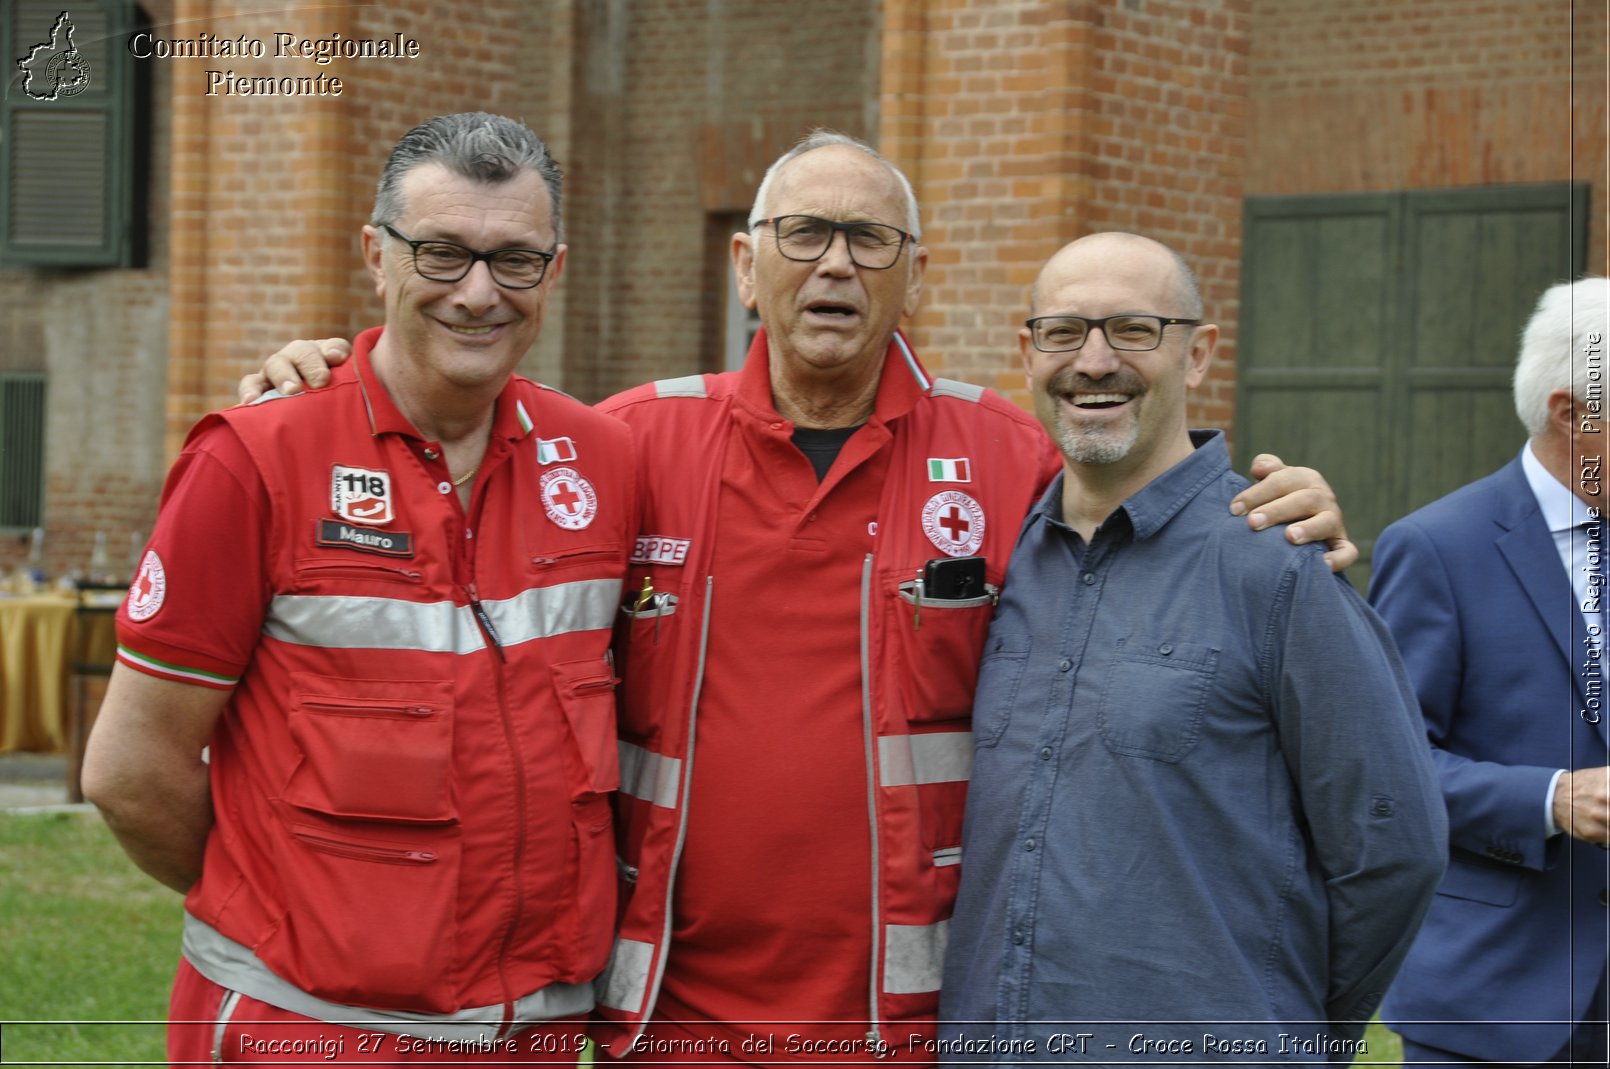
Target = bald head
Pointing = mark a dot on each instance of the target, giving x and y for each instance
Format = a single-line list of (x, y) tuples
[(1137, 257)]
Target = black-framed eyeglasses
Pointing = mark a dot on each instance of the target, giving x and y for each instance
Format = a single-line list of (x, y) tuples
[(1131, 331), (806, 238), (447, 261)]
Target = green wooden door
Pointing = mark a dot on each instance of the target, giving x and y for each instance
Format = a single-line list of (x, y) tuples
[(1378, 333)]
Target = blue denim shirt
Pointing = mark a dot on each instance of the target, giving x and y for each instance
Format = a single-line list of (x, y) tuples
[(1203, 812)]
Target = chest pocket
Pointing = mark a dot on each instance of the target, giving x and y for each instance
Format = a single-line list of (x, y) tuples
[(937, 643), (999, 676), (1155, 698), (378, 750), (648, 641)]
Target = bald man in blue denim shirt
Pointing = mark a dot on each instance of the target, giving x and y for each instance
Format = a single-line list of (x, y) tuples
[(1203, 823)]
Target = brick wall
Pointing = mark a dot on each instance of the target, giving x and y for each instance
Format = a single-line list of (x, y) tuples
[(277, 187), (680, 106), (1361, 95), (689, 88), (101, 337), (1024, 124), (1028, 124)]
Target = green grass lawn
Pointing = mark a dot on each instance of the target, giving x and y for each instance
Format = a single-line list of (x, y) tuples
[(88, 944), (86, 941)]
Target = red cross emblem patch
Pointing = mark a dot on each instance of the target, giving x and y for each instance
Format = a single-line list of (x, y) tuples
[(149, 588), (954, 523), (568, 498)]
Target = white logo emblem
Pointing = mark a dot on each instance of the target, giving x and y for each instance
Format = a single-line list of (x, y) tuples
[(568, 498), (148, 589), (954, 523), (360, 495), (55, 68)]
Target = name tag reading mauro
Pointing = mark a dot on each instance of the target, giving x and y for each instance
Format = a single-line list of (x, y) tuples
[(367, 539)]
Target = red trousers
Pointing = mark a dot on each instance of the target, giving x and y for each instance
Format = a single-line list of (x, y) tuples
[(202, 1031)]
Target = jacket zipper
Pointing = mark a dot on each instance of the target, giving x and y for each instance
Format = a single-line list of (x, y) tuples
[(368, 708), (487, 627), (362, 852), (495, 644), (361, 570)]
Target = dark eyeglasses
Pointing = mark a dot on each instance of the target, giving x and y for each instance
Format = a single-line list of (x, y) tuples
[(807, 238), (447, 261), (1131, 331)]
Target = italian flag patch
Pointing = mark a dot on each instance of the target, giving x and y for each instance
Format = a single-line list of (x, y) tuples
[(952, 470)]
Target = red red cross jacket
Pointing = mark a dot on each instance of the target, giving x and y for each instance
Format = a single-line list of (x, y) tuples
[(918, 683)]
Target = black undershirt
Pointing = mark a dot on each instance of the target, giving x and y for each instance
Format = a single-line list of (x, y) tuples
[(821, 447)]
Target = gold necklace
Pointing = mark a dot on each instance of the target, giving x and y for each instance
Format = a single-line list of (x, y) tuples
[(467, 476)]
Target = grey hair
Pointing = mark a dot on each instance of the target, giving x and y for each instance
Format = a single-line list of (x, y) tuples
[(471, 144), (822, 138), (1568, 325), (1189, 290)]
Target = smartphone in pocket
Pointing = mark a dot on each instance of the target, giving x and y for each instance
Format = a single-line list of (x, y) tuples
[(953, 578)]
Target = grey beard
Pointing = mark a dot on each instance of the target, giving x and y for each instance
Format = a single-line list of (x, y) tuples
[(1096, 446)]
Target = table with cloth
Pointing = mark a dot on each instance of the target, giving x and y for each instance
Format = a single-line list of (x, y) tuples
[(41, 637)]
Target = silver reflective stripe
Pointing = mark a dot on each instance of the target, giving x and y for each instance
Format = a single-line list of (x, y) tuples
[(651, 776), (372, 623), (940, 757), (914, 957), (226, 1011), (545, 611), (873, 1014), (911, 360), (440, 626), (964, 391), (947, 855), (626, 978), (686, 386), (231, 965)]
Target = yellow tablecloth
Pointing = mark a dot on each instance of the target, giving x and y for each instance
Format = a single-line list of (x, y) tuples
[(37, 647)]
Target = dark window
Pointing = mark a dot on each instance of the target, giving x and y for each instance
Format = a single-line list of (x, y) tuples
[(22, 451)]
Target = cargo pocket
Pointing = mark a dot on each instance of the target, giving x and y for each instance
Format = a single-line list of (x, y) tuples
[(597, 882), (369, 852), (1155, 697), (371, 913), (373, 749), (937, 645), (586, 691)]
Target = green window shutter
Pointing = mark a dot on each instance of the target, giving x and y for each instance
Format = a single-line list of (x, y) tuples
[(68, 136), (22, 451), (1475, 263), (1379, 331)]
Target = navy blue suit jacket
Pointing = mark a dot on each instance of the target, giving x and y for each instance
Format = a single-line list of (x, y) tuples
[(1474, 592)]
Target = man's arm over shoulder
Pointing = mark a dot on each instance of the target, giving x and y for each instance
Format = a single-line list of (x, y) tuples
[(1489, 804), (1356, 749)]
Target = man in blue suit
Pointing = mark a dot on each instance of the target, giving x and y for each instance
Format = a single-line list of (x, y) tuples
[(1494, 594)]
